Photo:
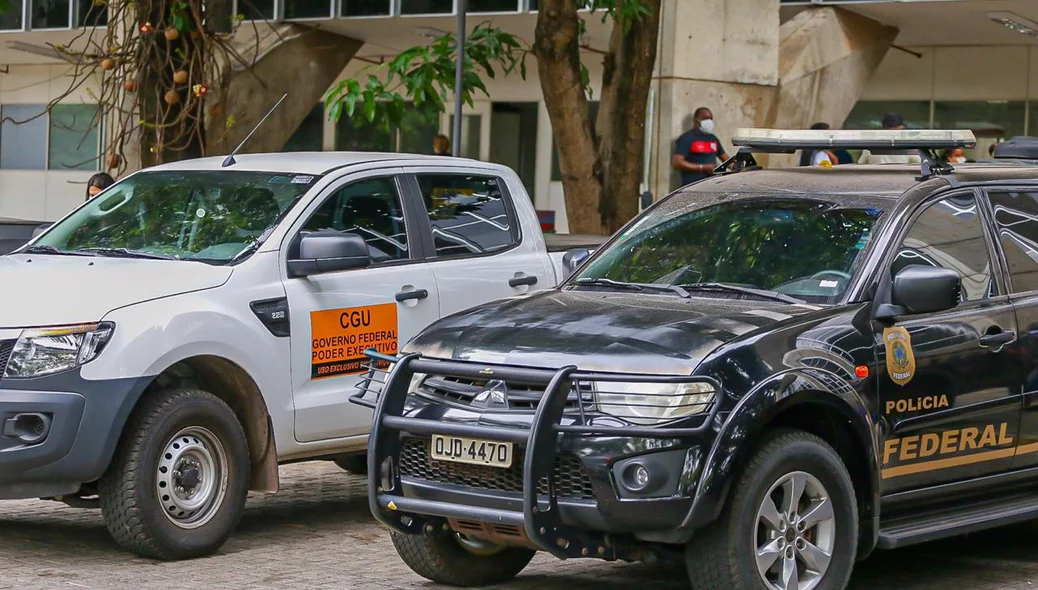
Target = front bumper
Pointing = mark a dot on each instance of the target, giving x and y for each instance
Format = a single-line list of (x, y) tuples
[(78, 423), (547, 504)]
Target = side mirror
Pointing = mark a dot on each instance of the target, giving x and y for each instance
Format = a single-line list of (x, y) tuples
[(329, 251), (40, 229), (574, 258), (922, 289)]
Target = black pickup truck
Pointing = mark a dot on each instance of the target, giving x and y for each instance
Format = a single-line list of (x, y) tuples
[(766, 375)]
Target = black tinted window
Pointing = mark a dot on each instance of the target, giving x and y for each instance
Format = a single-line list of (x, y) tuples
[(1016, 215), (949, 234), (370, 209), (468, 214)]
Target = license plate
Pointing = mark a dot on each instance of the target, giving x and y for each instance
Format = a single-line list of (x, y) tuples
[(474, 451)]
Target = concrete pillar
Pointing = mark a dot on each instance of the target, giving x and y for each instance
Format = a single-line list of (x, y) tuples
[(827, 56), (721, 54), (285, 58)]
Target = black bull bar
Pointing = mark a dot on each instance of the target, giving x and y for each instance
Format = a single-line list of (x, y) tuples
[(539, 519)]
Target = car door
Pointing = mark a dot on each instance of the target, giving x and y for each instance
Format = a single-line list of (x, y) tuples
[(336, 316), (477, 251), (1015, 213), (949, 382)]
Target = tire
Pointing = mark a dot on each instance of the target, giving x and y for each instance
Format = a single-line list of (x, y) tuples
[(723, 556), (184, 439), (356, 464), (445, 560)]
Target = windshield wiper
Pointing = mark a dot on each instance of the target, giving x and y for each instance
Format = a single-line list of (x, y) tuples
[(773, 295), (53, 250), (127, 253), (634, 286)]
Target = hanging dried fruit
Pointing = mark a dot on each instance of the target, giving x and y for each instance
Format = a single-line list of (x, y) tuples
[(172, 97), (131, 86), (172, 34), (146, 28), (113, 160), (180, 77), (108, 64)]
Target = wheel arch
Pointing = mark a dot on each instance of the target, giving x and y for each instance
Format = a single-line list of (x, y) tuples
[(231, 383), (814, 402)]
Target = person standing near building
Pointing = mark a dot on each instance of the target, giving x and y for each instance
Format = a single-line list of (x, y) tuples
[(441, 145), (697, 151), (892, 121), (98, 183), (819, 157)]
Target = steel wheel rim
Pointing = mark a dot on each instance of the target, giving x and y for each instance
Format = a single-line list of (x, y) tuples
[(794, 533), (191, 477)]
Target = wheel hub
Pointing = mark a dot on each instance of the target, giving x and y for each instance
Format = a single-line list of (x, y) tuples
[(191, 478), (795, 533)]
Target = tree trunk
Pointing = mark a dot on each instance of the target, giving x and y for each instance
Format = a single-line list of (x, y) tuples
[(626, 79), (600, 171), (557, 48)]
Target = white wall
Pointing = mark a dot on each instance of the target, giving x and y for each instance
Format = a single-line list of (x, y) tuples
[(40, 194)]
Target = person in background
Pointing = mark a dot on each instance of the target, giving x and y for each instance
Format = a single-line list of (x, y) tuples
[(819, 157), (697, 151), (891, 121), (955, 156), (98, 183), (441, 145)]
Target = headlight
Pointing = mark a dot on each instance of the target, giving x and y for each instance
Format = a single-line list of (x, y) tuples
[(45, 351), (649, 403)]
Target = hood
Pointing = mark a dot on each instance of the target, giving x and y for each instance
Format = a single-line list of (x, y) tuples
[(600, 331), (41, 290)]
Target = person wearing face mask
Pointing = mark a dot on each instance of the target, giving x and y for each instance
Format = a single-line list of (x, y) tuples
[(697, 151), (955, 156)]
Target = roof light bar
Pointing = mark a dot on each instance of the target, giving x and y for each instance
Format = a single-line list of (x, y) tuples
[(790, 140)]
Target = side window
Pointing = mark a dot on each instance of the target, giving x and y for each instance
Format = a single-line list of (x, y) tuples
[(1016, 215), (370, 209), (949, 234), (468, 214)]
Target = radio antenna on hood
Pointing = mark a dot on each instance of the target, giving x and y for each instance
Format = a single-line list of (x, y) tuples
[(230, 161)]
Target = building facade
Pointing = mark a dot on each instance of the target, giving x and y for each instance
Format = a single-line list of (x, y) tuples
[(952, 63)]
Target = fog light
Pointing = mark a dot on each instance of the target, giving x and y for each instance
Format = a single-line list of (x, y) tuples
[(635, 477), (30, 428)]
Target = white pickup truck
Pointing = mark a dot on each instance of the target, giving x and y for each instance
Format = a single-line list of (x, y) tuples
[(167, 344)]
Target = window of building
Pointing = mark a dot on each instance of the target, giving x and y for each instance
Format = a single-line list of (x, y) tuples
[(556, 171), (426, 6), (1016, 215), (91, 13), (515, 139), (468, 214), (357, 134), (417, 129), (256, 9), (50, 14), (868, 114), (309, 9), (493, 5), (471, 135), (415, 133), (309, 136), (949, 234), (365, 7), (23, 142), (12, 19), (74, 141), (990, 121), (370, 209)]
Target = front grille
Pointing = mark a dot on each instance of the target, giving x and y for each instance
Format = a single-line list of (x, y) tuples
[(571, 478), (6, 347), (463, 390)]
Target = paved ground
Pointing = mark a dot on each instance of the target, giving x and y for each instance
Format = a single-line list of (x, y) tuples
[(318, 534)]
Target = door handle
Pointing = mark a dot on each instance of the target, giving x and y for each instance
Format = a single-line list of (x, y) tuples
[(409, 295), (997, 340), (530, 281)]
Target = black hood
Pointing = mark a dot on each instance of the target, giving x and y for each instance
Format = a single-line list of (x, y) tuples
[(599, 330)]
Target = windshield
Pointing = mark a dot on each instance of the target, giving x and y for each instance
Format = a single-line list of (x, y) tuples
[(208, 216), (781, 249)]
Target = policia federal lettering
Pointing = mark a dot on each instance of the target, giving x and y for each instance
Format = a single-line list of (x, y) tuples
[(949, 448)]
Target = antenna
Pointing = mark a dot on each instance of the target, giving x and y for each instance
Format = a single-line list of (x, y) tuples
[(229, 161)]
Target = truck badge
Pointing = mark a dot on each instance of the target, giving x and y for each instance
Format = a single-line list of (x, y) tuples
[(900, 359), (494, 394)]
